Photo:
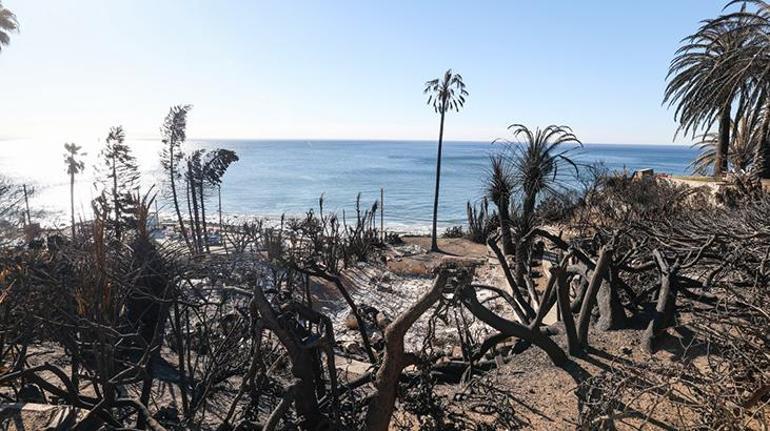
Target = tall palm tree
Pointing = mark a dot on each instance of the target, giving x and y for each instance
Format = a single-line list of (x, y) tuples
[(746, 71), (444, 94), (540, 161), (74, 167), (192, 177), (8, 24), (754, 58), (120, 179), (174, 132), (704, 82), (213, 169)]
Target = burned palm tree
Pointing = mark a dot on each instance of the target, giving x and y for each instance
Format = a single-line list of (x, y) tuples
[(540, 162), (499, 189), (147, 302), (8, 24), (212, 170), (192, 179), (174, 134), (708, 75), (74, 167), (120, 180), (444, 94)]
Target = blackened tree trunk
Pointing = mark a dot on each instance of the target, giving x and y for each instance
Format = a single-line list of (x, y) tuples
[(504, 216), (516, 290), (566, 312), (301, 358), (115, 199), (192, 185), (589, 300), (190, 215), (72, 204), (511, 328), (720, 166), (203, 217), (523, 245), (147, 309), (762, 154), (611, 313), (221, 226), (396, 358), (172, 174), (665, 309)]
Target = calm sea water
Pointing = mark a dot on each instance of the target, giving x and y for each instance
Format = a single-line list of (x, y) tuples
[(275, 177)]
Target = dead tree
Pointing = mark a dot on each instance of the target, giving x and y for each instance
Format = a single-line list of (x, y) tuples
[(303, 350), (361, 325), (565, 310), (510, 328), (396, 359), (522, 307), (666, 306), (599, 274), (611, 313)]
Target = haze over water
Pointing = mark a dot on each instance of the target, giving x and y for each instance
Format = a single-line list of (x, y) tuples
[(275, 177)]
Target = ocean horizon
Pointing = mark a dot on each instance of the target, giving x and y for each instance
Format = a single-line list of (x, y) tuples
[(275, 177)]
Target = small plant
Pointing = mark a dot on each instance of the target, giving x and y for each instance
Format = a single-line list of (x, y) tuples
[(393, 238), (363, 235), (480, 222), (242, 235), (454, 232)]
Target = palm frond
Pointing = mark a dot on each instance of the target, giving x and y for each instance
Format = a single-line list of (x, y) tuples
[(447, 93)]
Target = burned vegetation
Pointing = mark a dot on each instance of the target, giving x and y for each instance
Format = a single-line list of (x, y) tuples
[(629, 302), (131, 333)]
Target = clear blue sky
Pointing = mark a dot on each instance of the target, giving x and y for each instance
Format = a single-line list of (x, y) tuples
[(341, 69)]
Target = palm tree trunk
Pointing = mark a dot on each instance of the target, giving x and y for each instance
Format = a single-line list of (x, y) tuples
[(505, 227), (720, 168), (75, 350), (203, 219), (72, 204), (196, 214), (762, 154), (522, 246), (176, 200), (434, 237), (221, 226), (193, 230)]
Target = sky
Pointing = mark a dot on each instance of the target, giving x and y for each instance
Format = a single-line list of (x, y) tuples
[(351, 69)]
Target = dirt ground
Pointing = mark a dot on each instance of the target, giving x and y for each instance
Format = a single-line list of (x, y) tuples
[(414, 257), (541, 395)]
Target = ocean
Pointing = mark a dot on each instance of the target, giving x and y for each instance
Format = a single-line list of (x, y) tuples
[(277, 177)]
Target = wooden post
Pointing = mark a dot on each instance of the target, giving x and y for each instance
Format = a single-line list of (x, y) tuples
[(382, 214), (26, 204)]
